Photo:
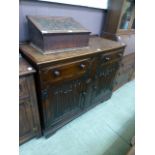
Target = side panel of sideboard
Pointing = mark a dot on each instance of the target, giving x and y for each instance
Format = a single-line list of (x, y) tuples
[(29, 123)]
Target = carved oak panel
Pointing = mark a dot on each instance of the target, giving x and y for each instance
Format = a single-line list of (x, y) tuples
[(63, 99), (29, 123), (26, 124), (103, 81)]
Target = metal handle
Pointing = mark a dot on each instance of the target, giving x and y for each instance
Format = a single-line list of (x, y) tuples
[(56, 73), (82, 66), (107, 58)]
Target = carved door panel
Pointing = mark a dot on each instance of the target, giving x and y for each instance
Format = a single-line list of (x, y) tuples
[(26, 123), (63, 100), (103, 81)]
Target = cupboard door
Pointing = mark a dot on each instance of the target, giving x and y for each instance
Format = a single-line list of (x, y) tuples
[(26, 124), (61, 101), (64, 90), (103, 82)]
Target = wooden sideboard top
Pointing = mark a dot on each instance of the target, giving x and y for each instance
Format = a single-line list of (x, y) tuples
[(96, 45), (24, 67)]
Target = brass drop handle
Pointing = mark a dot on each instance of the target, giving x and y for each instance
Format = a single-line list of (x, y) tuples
[(56, 73), (82, 66)]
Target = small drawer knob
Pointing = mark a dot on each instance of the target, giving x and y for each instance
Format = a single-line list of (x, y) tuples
[(56, 73), (107, 58), (82, 66)]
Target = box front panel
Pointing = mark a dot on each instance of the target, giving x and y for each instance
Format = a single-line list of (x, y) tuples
[(65, 41)]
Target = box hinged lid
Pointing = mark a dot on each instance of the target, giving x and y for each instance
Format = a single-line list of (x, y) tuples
[(49, 25)]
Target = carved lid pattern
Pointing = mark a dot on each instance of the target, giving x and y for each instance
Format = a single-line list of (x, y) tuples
[(56, 24)]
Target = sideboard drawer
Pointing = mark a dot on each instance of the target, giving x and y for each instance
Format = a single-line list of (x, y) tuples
[(65, 72), (110, 56)]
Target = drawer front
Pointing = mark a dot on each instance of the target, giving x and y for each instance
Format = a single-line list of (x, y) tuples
[(111, 56), (65, 72), (23, 88)]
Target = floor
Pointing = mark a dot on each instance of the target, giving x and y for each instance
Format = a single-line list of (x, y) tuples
[(105, 130)]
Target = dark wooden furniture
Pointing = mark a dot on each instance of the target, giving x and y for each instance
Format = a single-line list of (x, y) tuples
[(70, 83), (53, 34), (29, 123), (126, 72), (120, 26), (119, 19)]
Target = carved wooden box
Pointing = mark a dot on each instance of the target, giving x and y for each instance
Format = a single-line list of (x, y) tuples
[(54, 34)]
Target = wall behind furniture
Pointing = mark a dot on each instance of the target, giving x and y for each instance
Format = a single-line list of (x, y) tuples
[(90, 18)]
